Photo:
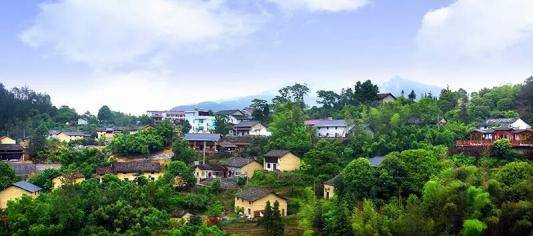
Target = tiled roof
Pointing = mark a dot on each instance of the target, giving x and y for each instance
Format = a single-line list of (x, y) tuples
[(254, 193), (53, 132), (246, 124), (375, 161), (331, 123), (332, 180), (213, 167), (136, 166), (202, 137), (237, 162), (27, 186), (178, 213), (76, 133), (230, 112), (238, 139), (277, 153), (11, 147), (384, 95)]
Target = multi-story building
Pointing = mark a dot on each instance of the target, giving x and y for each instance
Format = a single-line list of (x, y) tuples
[(200, 121)]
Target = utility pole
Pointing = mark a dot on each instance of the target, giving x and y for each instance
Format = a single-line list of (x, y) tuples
[(204, 151)]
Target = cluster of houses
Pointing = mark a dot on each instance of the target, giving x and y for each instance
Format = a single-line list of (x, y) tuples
[(517, 131)]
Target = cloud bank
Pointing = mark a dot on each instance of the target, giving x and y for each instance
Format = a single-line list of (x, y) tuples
[(476, 28), (320, 5)]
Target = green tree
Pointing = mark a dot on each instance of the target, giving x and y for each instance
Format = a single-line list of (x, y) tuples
[(185, 127), (222, 124), (38, 140), (179, 175), (261, 110), (105, 115), (502, 148), (183, 151), (524, 100), (358, 181), (267, 220), (473, 227), (7, 177), (288, 129), (412, 96), (277, 224)]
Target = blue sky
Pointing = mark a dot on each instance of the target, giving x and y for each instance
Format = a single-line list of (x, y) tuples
[(154, 54)]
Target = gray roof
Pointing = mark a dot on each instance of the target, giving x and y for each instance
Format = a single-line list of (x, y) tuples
[(53, 132), (76, 133), (230, 112), (332, 180), (27, 186), (213, 167), (237, 162), (246, 124), (254, 193), (202, 137), (331, 123), (384, 95), (136, 166), (498, 122), (11, 147), (277, 153), (375, 161)]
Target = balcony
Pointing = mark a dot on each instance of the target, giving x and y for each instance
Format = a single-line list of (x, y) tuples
[(469, 143)]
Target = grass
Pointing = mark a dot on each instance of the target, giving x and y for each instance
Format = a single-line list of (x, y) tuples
[(251, 228)]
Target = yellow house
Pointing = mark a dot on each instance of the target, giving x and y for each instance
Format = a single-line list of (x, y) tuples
[(129, 171), (238, 166), (329, 188), (7, 140), (71, 178), (16, 190), (252, 201), (281, 160), (69, 136), (183, 215)]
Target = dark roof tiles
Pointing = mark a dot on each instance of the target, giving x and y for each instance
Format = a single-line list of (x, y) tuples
[(27, 186)]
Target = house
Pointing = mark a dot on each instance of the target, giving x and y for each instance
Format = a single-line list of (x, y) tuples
[(83, 121), (68, 136), (181, 215), (108, 133), (236, 144), (313, 122), (11, 152), (132, 170), (329, 187), (250, 127), (17, 190), (27, 169), (281, 160), (238, 166), (234, 116), (253, 200), (70, 178), (518, 132), (200, 121), (332, 128), (7, 140), (386, 97), (199, 141), (209, 171), (174, 116)]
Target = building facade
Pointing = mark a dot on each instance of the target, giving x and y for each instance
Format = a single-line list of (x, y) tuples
[(281, 160), (251, 202)]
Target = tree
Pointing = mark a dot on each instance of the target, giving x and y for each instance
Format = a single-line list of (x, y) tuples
[(183, 151), (328, 99), (261, 110), (271, 220), (105, 115), (288, 129), (66, 115), (366, 92), (222, 124), (524, 100), (38, 140), (473, 227), (358, 181), (411, 96), (502, 148), (179, 175), (186, 127), (295, 94), (7, 177), (266, 220)]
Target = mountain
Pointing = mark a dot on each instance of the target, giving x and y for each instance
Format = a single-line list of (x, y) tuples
[(234, 103), (397, 84)]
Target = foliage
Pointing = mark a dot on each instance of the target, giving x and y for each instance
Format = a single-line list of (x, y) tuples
[(502, 148), (179, 175), (38, 140), (271, 220), (288, 129), (222, 124), (143, 142), (7, 177), (183, 151), (44, 179), (261, 110)]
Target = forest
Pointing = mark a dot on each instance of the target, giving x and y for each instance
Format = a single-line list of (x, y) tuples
[(423, 186)]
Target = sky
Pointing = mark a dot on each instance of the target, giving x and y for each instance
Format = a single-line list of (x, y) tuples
[(138, 55)]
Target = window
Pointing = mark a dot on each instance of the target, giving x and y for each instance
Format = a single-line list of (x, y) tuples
[(268, 165), (249, 211), (249, 202), (282, 212)]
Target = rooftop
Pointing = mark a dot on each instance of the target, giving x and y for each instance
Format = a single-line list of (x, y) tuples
[(27, 186), (202, 137), (213, 167), (331, 123), (136, 166), (277, 153), (237, 161), (246, 124), (254, 193), (11, 147)]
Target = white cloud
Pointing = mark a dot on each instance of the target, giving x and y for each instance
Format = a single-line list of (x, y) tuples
[(115, 32), (476, 28), (320, 5)]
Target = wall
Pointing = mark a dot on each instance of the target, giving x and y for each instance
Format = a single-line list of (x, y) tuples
[(133, 176), (329, 189), (12, 193), (61, 180), (338, 131), (289, 162), (259, 205), (7, 140), (248, 170)]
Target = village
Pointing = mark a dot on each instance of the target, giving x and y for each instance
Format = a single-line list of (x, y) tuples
[(222, 161)]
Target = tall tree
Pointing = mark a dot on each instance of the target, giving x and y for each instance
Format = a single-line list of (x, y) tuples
[(294, 93), (261, 110), (412, 95), (288, 129), (105, 115), (183, 151), (38, 140), (524, 100), (222, 124), (7, 177), (366, 92)]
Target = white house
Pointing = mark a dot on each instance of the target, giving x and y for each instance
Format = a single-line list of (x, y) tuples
[(167, 115), (250, 127), (200, 121), (332, 128), (513, 123), (234, 116)]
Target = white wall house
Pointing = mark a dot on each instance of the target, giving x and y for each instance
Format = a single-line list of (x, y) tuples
[(331, 129), (166, 115), (250, 127), (200, 121)]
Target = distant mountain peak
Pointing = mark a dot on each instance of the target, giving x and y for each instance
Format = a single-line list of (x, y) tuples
[(396, 84)]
